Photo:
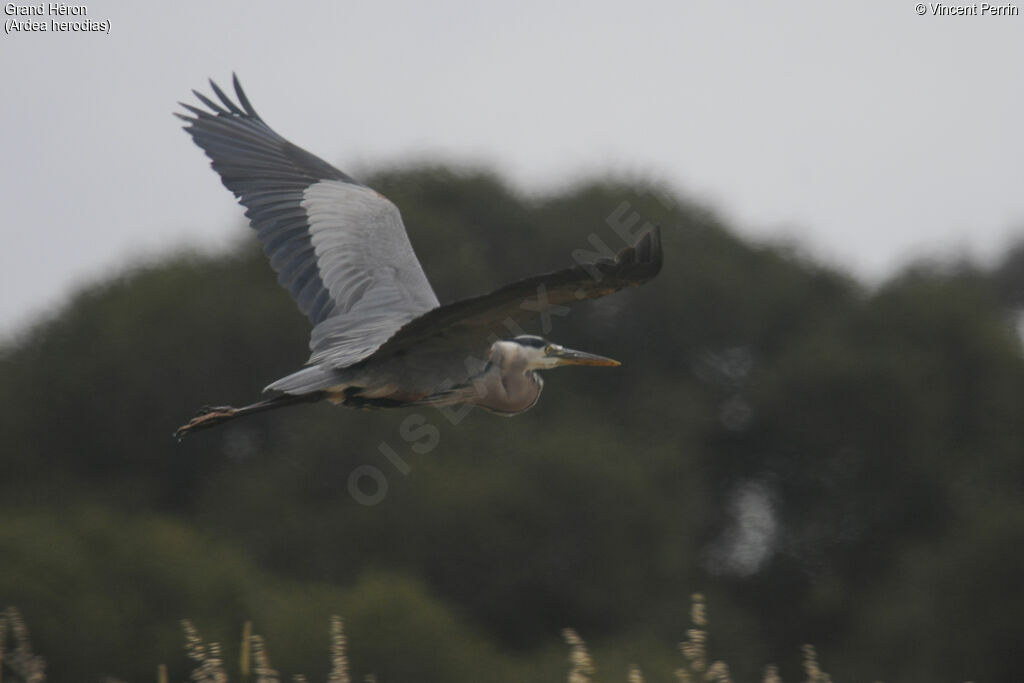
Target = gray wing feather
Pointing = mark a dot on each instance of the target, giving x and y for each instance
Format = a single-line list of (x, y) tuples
[(338, 247), (306, 380), (371, 270)]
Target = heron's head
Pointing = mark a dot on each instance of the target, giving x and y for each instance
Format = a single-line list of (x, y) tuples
[(537, 353)]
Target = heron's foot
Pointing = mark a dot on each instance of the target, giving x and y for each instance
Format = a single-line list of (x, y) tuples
[(208, 416), (208, 410)]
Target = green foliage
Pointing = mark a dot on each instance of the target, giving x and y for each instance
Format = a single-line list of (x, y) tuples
[(880, 429), (100, 590)]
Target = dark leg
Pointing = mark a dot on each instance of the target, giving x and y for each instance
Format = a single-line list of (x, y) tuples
[(213, 416)]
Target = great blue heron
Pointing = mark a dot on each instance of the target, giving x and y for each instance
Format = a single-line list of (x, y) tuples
[(380, 337)]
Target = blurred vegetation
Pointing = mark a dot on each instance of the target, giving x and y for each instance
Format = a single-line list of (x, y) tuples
[(829, 463), (254, 662)]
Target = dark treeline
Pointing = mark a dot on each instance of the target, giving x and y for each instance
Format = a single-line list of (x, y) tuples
[(828, 463)]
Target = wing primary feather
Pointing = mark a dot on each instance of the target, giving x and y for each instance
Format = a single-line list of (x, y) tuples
[(242, 99), (195, 110), (225, 99), (209, 103)]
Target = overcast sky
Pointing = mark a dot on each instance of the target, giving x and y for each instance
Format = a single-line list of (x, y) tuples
[(865, 132)]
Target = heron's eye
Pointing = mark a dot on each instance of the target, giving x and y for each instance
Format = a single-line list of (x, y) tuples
[(549, 349)]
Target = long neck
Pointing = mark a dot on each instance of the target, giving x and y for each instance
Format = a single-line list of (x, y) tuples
[(509, 390)]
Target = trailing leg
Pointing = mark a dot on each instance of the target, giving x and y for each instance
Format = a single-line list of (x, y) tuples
[(212, 416)]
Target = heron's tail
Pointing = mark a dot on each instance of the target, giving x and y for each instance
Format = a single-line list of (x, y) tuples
[(209, 416)]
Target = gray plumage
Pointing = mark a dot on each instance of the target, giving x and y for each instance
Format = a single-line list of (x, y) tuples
[(380, 337), (339, 247)]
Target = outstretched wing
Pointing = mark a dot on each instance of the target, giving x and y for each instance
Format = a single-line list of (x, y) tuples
[(339, 247), (478, 321)]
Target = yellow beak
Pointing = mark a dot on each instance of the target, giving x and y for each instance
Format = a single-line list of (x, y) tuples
[(573, 357)]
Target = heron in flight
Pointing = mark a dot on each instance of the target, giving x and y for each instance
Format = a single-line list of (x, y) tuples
[(380, 337)]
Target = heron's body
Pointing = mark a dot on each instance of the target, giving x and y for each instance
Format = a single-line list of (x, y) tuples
[(504, 384), (380, 337)]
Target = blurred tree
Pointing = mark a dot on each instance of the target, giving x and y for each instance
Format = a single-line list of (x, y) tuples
[(797, 447)]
